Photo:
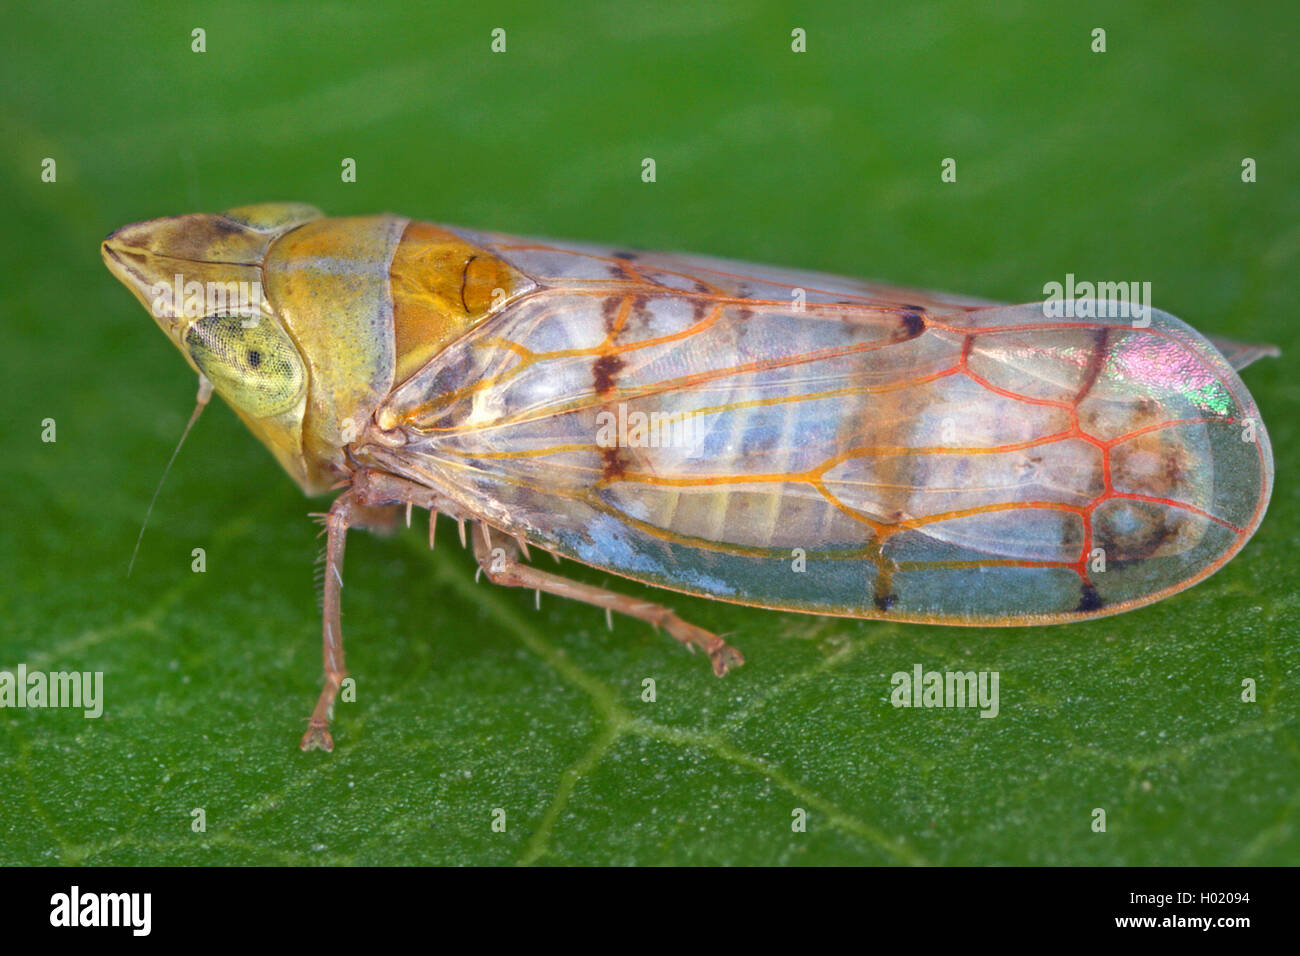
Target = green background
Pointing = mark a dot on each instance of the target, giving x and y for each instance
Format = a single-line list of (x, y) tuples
[(1122, 165)]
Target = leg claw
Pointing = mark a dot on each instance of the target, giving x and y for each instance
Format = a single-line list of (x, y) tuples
[(317, 738), (724, 658)]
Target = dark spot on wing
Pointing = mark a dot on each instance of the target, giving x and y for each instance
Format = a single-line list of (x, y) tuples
[(626, 256), (1151, 528), (1095, 362), (613, 467), (913, 323), (1174, 471), (885, 598), (610, 308), (604, 375), (605, 371), (1090, 600)]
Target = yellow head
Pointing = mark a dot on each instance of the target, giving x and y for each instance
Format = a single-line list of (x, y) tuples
[(288, 314), (304, 324)]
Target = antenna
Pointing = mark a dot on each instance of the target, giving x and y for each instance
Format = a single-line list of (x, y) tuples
[(205, 392)]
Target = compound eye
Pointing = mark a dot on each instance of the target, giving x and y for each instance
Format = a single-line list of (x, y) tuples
[(251, 362)]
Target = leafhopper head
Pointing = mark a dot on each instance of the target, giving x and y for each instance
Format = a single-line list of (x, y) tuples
[(288, 314)]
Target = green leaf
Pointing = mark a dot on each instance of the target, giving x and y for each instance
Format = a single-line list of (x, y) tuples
[(1117, 165)]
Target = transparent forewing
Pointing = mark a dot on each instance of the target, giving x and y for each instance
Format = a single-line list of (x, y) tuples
[(591, 266), (917, 459)]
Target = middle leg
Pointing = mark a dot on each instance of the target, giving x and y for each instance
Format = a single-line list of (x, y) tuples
[(500, 559)]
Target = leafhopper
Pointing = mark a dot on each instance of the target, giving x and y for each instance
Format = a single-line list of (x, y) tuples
[(780, 439)]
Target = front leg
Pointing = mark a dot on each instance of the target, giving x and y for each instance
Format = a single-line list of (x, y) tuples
[(368, 502), (341, 514)]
